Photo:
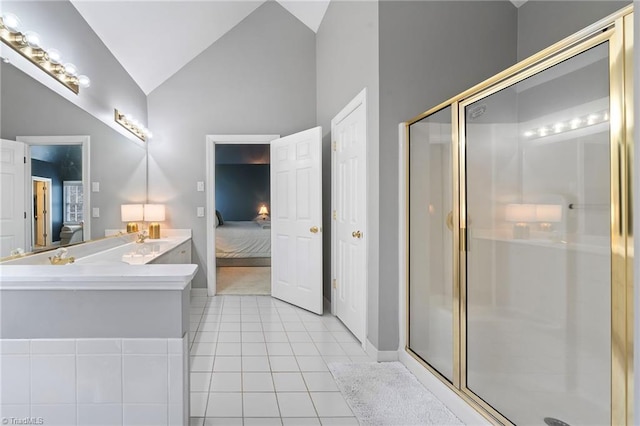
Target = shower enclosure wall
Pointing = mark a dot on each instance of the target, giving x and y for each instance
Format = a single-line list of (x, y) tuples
[(519, 276)]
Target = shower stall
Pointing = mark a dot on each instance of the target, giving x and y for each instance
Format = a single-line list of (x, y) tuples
[(519, 236)]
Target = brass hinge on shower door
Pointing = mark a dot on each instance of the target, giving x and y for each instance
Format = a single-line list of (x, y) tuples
[(335, 283)]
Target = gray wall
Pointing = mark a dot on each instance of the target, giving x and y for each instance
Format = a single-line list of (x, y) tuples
[(429, 52), (28, 108), (346, 63), (61, 26), (542, 23), (257, 79)]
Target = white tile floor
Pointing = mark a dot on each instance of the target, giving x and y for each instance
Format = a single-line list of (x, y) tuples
[(258, 361)]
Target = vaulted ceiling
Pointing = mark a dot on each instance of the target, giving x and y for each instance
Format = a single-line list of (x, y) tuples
[(154, 39)]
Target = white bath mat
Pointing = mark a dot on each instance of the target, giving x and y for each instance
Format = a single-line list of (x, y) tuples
[(386, 393)]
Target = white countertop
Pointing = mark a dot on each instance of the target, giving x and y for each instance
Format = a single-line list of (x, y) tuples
[(133, 253), (123, 267), (96, 277)]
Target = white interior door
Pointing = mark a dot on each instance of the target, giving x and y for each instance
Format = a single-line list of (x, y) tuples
[(12, 190), (349, 179), (296, 219)]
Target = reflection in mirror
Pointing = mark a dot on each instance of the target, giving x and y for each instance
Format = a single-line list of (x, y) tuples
[(49, 130), (57, 213)]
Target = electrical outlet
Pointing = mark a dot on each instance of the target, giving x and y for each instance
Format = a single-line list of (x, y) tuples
[(200, 186), (95, 212), (200, 211), (95, 186)]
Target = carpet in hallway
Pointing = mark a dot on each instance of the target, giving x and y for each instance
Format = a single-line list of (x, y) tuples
[(243, 280)]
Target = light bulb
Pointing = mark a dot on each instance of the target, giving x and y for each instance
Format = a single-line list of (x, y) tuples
[(33, 39), (54, 56), (606, 116), (11, 22), (543, 131), (70, 69), (575, 123), (592, 119), (528, 133), (558, 127), (135, 122), (84, 81)]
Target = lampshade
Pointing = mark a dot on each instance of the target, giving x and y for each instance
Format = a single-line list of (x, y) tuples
[(548, 213), (263, 210), (154, 212), (131, 212), (521, 213)]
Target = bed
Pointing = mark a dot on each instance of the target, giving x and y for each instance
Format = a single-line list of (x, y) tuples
[(243, 243)]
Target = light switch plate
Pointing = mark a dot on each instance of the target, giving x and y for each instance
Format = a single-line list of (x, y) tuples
[(200, 212), (95, 186), (200, 186), (95, 212)]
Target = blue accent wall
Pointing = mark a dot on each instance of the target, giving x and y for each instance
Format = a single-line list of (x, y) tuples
[(241, 189), (50, 170)]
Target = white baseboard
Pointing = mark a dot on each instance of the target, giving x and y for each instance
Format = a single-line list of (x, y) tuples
[(380, 356), (198, 292), (457, 405)]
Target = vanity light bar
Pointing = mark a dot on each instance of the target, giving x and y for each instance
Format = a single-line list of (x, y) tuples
[(28, 44), (133, 125), (566, 126)]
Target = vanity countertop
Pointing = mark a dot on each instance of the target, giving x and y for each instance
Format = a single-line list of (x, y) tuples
[(123, 267), (96, 277)]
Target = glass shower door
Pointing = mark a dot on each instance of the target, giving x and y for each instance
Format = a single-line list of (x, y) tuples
[(431, 222), (538, 265)]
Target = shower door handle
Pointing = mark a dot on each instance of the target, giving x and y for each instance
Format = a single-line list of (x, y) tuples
[(450, 220)]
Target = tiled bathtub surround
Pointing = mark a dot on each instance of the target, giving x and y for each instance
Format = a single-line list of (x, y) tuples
[(94, 381), (258, 361)]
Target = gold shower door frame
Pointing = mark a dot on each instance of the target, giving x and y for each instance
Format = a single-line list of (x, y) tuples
[(617, 30)]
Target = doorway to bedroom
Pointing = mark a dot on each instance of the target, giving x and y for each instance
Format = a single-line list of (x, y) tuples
[(242, 222)]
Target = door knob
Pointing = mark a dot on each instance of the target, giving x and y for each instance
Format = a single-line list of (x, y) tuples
[(314, 229), (356, 234)]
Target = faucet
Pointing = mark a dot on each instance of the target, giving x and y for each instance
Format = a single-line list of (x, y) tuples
[(141, 237), (60, 257)]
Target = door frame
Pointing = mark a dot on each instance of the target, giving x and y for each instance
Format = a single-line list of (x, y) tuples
[(49, 206), (82, 140), (210, 192), (358, 100)]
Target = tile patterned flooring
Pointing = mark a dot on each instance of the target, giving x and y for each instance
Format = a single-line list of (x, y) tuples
[(256, 360)]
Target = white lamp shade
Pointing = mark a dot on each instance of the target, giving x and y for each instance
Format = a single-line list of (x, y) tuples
[(154, 212), (263, 210), (131, 212), (521, 213), (548, 213)]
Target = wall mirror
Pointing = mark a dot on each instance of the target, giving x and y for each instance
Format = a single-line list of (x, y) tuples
[(80, 170)]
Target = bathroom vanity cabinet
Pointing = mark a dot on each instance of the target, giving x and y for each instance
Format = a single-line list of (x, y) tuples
[(103, 338)]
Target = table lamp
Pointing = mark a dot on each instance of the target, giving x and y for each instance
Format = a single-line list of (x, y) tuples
[(521, 215), (154, 213), (131, 213)]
